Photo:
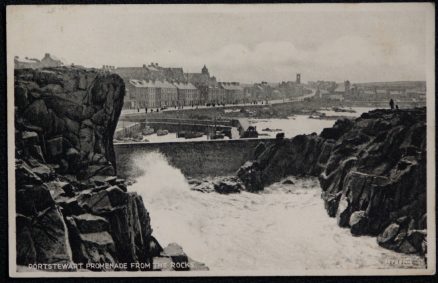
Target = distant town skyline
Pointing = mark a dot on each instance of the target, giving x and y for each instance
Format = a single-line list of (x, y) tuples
[(242, 43)]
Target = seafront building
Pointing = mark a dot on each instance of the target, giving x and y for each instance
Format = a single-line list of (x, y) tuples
[(154, 86), (233, 92), (188, 94)]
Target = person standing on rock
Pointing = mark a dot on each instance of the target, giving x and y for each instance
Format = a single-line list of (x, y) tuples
[(391, 104)]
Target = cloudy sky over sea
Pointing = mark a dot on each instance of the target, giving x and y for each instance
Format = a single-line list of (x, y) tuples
[(237, 43)]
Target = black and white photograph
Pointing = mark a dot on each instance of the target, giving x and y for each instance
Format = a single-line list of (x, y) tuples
[(221, 139)]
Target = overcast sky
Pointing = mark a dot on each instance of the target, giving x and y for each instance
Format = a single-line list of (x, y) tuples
[(237, 43)]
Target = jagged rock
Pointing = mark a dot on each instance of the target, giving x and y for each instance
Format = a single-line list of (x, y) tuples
[(279, 136), (73, 158), (26, 252), (95, 202), (343, 212), (38, 114), (54, 147), (58, 188), (406, 247), (259, 149), (94, 170), (49, 237), (71, 207), (76, 108), (131, 230), (386, 238), (89, 223), (331, 133), (179, 258), (36, 152), (228, 186), (418, 239), (32, 171), (372, 171), (21, 100), (297, 156), (359, 223), (251, 176), (33, 199), (111, 180), (117, 196), (30, 138), (204, 187), (25, 175), (222, 185), (94, 247)]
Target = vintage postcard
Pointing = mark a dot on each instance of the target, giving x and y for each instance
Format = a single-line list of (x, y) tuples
[(221, 140)]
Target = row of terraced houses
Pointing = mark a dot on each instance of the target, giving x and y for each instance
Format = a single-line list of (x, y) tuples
[(154, 86)]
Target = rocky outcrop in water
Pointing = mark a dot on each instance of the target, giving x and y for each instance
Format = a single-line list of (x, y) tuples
[(372, 172), (70, 206), (221, 185)]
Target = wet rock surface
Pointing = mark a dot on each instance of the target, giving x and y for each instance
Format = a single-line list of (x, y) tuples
[(372, 171)]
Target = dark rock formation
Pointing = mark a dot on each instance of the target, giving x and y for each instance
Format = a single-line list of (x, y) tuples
[(70, 206), (372, 172), (73, 113), (302, 155), (61, 221), (222, 185), (376, 175)]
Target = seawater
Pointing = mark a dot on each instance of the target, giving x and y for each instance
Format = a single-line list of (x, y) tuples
[(283, 228)]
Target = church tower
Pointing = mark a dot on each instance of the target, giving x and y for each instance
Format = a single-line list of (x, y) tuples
[(205, 71), (298, 80)]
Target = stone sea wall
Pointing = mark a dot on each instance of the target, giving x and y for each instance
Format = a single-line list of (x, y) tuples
[(70, 206), (194, 159), (372, 172)]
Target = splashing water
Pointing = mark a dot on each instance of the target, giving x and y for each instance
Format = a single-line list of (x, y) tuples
[(283, 228)]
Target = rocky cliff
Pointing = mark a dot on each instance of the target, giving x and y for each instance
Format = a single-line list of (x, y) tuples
[(372, 173), (71, 208), (74, 113)]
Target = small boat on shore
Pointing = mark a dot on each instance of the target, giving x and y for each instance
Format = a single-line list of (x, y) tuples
[(192, 135), (162, 132), (147, 131)]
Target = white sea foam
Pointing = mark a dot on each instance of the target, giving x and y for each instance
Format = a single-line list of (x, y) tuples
[(283, 228)]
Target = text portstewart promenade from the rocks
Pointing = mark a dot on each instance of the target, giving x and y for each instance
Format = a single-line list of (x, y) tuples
[(221, 140)]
